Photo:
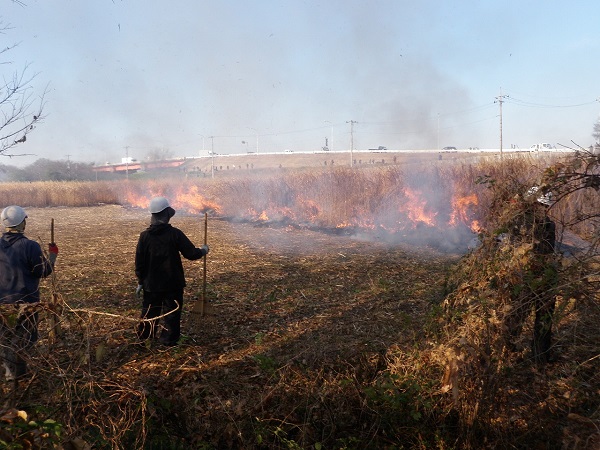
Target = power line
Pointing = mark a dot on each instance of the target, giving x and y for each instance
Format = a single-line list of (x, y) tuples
[(403, 126), (525, 103), (419, 130), (463, 111)]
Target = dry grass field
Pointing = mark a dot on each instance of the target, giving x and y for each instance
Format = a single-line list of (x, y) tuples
[(303, 319)]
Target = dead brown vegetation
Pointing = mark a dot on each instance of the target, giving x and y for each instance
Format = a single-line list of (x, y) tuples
[(500, 393)]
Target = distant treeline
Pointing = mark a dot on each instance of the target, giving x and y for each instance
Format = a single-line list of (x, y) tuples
[(48, 170)]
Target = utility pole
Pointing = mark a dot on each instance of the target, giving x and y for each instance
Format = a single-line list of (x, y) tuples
[(330, 146), (212, 156), (500, 100), (127, 162), (438, 133), (351, 122), (69, 167)]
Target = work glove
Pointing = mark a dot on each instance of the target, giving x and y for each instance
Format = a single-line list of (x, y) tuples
[(52, 252), (138, 291), (205, 249)]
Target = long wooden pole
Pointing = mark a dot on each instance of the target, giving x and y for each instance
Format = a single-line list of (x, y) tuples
[(54, 324), (204, 299)]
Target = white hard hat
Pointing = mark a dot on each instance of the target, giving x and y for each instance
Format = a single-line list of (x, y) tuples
[(12, 216), (158, 204), (545, 199)]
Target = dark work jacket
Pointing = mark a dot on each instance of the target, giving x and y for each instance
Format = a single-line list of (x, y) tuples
[(157, 258), (545, 234), (535, 226), (22, 264)]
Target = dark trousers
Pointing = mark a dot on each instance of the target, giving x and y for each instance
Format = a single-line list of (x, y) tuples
[(157, 304), (18, 333), (538, 294), (542, 329)]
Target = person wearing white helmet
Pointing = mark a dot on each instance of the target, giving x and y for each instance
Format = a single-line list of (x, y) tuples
[(542, 228), (160, 274), (543, 198), (537, 229), (22, 265)]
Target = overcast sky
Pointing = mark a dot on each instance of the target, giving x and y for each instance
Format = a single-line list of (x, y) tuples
[(135, 76)]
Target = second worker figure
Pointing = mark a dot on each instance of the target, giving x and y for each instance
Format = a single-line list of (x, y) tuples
[(160, 274)]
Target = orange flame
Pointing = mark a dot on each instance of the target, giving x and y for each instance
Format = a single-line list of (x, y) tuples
[(416, 208), (193, 202), (137, 201), (475, 226), (186, 199), (461, 212)]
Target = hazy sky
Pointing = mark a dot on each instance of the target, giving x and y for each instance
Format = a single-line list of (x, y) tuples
[(133, 76)]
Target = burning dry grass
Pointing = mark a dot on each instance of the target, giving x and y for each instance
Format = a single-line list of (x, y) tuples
[(432, 204), (382, 202)]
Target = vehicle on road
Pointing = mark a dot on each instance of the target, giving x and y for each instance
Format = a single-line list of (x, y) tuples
[(449, 149), (543, 146)]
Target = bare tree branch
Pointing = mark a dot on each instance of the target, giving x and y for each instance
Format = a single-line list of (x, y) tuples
[(20, 108)]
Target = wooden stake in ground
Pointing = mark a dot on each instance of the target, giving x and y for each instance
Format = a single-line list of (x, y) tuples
[(55, 330), (201, 307)]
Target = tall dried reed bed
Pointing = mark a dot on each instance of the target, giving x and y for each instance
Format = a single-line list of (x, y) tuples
[(59, 193), (388, 200), (369, 197), (339, 197)]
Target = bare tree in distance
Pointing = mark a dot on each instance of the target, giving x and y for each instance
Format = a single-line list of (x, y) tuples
[(20, 107)]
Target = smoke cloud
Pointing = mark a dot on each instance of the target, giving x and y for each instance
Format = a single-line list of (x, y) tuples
[(134, 76)]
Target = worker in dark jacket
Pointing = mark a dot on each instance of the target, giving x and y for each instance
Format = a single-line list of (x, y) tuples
[(545, 269), (22, 265), (160, 273), (540, 279)]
